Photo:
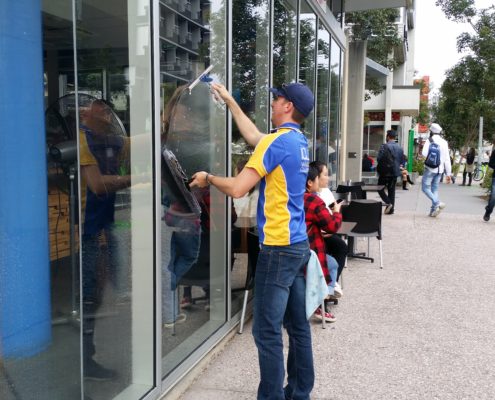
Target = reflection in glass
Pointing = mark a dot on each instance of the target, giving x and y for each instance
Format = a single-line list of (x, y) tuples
[(116, 197), (335, 93), (323, 67), (192, 38), (307, 61), (284, 42), (250, 47)]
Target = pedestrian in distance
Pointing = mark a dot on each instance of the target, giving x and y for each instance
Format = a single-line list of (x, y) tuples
[(437, 161), (491, 199), (469, 166), (280, 163), (389, 159), (405, 174)]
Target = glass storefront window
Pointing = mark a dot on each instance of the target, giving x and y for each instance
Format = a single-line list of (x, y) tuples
[(284, 41), (114, 101), (322, 101), (335, 93), (192, 38), (250, 81), (307, 61)]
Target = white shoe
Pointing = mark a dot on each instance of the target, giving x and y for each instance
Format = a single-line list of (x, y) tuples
[(435, 212), (181, 318), (337, 290), (388, 208)]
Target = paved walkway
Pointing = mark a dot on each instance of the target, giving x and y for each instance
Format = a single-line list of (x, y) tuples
[(421, 328)]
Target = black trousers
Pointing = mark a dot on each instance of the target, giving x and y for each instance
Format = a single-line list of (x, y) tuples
[(389, 182), (337, 248)]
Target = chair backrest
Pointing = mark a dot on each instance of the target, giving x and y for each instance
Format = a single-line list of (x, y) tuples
[(355, 190), (367, 214)]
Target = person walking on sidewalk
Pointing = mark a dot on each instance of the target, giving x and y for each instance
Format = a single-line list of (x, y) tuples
[(437, 161), (280, 163), (491, 199), (389, 158)]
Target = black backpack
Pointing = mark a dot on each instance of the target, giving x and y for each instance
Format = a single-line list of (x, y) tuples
[(386, 164)]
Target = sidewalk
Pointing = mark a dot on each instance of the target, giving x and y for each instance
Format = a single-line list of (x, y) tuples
[(421, 328)]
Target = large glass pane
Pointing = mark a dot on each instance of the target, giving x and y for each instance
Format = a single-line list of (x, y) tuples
[(250, 74), (323, 66), (30, 369), (335, 106), (117, 244), (192, 39), (284, 41), (307, 61)]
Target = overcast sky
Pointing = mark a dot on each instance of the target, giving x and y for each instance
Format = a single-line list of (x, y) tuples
[(436, 40)]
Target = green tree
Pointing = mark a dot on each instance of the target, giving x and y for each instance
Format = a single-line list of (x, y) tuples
[(469, 90), (378, 28)]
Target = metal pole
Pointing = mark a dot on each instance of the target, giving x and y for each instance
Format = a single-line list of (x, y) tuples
[(480, 142)]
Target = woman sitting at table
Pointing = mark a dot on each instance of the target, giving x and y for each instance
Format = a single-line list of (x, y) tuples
[(335, 245), (319, 219)]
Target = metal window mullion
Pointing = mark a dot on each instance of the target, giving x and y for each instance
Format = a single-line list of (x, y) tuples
[(228, 164)]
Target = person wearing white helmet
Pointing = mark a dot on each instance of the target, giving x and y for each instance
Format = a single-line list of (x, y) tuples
[(437, 161)]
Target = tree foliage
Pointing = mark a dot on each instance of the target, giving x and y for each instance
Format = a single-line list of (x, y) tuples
[(468, 91), (378, 28)]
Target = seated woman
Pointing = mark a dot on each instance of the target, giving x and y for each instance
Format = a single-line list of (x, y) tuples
[(319, 219), (334, 244), (405, 174)]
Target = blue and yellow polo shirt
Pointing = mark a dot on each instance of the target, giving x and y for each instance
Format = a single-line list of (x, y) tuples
[(281, 159)]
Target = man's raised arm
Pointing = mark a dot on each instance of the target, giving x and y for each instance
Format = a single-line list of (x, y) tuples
[(248, 130)]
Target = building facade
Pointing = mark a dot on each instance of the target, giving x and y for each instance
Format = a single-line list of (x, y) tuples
[(115, 279)]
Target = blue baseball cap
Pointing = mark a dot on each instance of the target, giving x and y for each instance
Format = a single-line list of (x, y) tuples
[(297, 93)]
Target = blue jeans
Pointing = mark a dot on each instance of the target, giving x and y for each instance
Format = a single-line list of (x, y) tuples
[(491, 200), (333, 266), (429, 186), (280, 298)]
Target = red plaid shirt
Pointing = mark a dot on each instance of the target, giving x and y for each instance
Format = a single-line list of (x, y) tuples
[(318, 219)]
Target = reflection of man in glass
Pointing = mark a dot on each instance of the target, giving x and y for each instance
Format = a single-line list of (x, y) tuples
[(103, 150), (280, 163), (181, 221)]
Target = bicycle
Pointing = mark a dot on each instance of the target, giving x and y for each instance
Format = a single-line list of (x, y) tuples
[(479, 172)]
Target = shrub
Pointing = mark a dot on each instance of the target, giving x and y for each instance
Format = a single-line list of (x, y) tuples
[(418, 166)]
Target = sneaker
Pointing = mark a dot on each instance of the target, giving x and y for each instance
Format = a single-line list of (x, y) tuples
[(329, 317), (388, 208), (486, 217), (441, 205), (179, 320), (96, 372), (186, 302), (435, 212), (337, 290)]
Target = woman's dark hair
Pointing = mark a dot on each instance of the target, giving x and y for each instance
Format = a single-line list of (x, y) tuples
[(312, 173), (318, 165), (472, 151)]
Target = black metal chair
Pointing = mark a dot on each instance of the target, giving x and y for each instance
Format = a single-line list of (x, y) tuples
[(368, 217), (353, 191)]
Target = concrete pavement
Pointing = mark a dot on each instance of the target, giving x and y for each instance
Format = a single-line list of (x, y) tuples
[(421, 328)]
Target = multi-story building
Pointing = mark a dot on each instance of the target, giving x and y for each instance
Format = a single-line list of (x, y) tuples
[(395, 107)]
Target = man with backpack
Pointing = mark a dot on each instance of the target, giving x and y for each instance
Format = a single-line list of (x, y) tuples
[(389, 159), (437, 161)]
